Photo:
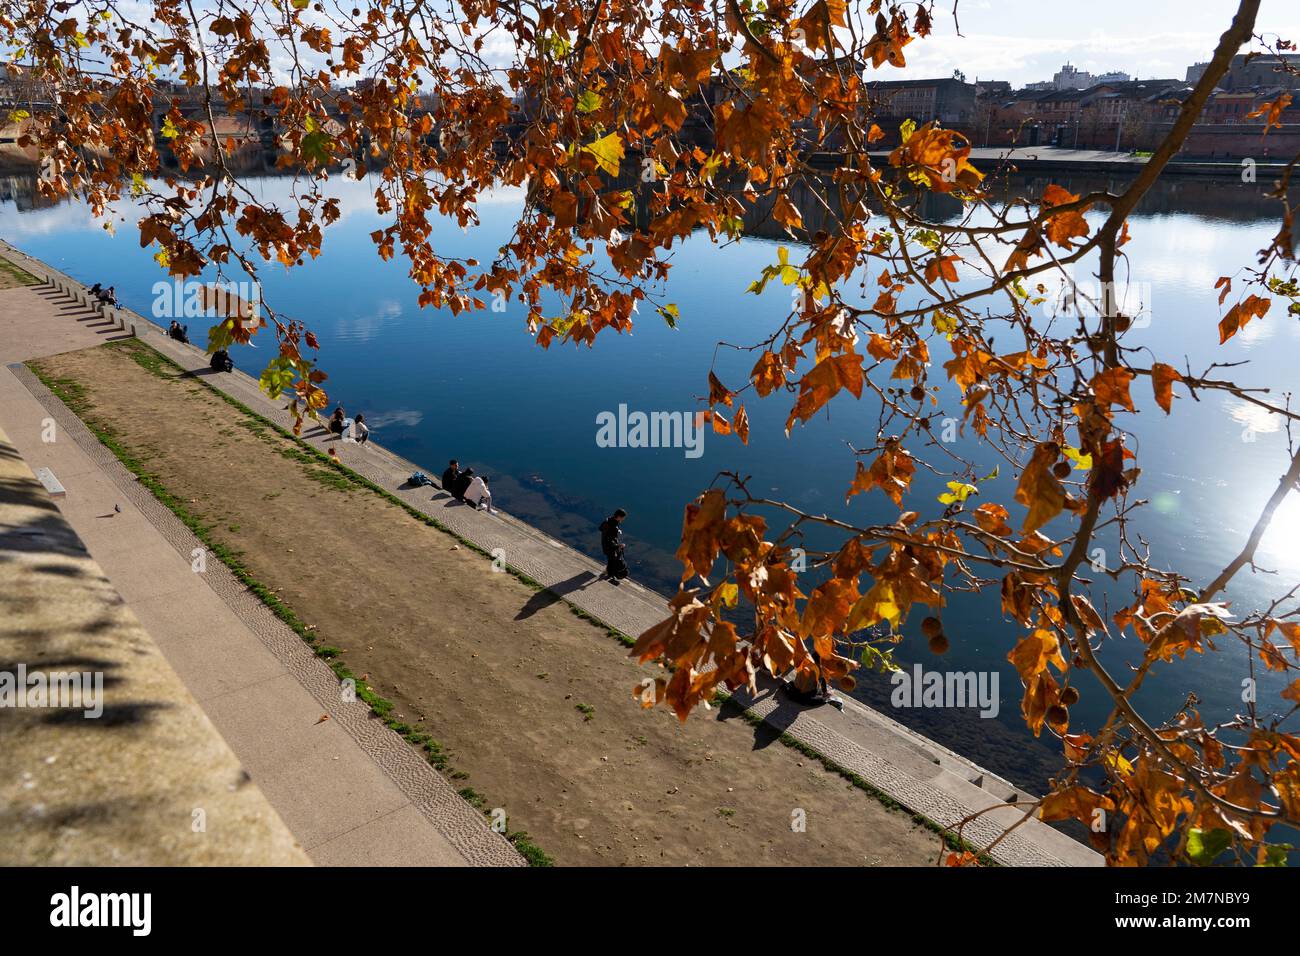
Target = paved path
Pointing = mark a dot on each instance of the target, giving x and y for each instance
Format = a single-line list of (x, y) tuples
[(351, 791), (142, 779), (917, 772)]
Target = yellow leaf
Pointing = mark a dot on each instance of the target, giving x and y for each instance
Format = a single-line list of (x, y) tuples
[(958, 491), (608, 151)]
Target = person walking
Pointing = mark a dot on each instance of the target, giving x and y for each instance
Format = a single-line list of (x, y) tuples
[(611, 543)]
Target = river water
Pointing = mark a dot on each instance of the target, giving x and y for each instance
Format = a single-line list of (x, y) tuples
[(476, 387)]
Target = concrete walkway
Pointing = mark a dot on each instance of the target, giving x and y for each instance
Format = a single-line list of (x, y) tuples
[(141, 777), (350, 791), (917, 772)]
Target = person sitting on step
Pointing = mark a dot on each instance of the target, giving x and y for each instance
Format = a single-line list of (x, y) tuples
[(451, 478), (477, 494), (221, 361), (463, 481), (338, 424)]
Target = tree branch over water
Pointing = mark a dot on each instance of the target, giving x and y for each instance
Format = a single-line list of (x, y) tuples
[(630, 127)]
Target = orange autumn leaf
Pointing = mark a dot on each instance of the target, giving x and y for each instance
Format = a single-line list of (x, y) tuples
[(1030, 244), (1107, 477), (1111, 387), (1042, 693), (891, 472), (768, 374), (1225, 285), (940, 156), (1271, 111), (1066, 226), (1077, 802), (718, 393), (1292, 692), (827, 378), (942, 266), (786, 213), (701, 529), (1162, 381), (827, 608), (1032, 655), (880, 347), (1039, 490), (1287, 785), (565, 207), (817, 23), (992, 518), (1252, 306)]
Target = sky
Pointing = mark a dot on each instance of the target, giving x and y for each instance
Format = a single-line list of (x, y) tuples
[(1027, 40), (1021, 41)]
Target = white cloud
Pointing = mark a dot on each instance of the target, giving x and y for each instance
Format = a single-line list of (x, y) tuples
[(363, 328)]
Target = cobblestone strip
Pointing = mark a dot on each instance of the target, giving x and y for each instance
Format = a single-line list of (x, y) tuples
[(931, 802)]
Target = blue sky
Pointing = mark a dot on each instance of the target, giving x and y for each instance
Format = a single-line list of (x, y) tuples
[(1027, 40)]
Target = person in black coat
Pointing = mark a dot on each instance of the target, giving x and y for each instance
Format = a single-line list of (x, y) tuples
[(462, 483), (611, 544), (221, 361), (451, 479), (337, 424)]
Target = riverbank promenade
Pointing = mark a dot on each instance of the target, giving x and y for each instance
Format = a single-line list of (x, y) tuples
[(1064, 161), (350, 790)]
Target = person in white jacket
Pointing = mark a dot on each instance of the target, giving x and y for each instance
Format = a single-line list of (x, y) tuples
[(478, 494), (360, 430)]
